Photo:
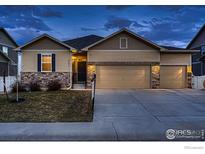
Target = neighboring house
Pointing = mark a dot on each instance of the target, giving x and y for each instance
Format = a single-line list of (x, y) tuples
[(198, 59), (8, 59), (120, 60)]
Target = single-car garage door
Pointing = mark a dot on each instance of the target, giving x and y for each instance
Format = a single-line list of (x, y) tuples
[(172, 77), (123, 77)]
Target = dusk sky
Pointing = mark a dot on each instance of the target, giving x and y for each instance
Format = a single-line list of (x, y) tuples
[(165, 25)]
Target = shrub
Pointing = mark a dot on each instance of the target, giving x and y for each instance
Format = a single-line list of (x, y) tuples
[(54, 85), (34, 86), (21, 87), (204, 83)]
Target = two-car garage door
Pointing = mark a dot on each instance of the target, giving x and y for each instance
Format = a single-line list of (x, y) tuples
[(123, 77)]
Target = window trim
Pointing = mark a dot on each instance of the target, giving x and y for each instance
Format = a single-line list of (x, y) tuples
[(126, 42), (5, 47), (47, 54)]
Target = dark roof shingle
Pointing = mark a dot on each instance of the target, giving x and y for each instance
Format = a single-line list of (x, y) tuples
[(172, 48), (81, 42)]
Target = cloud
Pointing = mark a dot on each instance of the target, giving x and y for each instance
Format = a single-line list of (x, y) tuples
[(118, 23), (23, 35), (88, 29), (37, 11), (178, 28), (26, 22), (172, 43), (118, 7), (47, 13)]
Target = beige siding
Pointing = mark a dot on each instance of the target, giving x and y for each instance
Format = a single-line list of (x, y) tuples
[(45, 44), (29, 60), (123, 77), (199, 40), (123, 56), (5, 39), (173, 77), (113, 43), (175, 59)]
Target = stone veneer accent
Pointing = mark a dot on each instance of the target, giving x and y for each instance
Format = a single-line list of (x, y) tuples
[(155, 76), (189, 80), (91, 69), (44, 77)]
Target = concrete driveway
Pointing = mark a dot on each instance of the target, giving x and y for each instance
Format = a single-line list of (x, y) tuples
[(141, 115), (147, 114)]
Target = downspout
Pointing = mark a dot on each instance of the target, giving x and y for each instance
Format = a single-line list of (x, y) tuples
[(8, 79)]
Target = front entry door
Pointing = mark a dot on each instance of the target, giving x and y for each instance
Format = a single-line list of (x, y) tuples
[(82, 71)]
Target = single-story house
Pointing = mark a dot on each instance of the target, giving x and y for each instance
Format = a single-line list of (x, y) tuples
[(8, 60), (121, 60), (198, 58)]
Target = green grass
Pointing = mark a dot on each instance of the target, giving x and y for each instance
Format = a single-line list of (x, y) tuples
[(54, 106)]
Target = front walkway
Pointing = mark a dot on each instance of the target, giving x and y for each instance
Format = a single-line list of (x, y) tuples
[(123, 115)]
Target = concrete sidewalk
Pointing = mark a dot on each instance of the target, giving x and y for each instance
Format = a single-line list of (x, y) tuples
[(142, 115)]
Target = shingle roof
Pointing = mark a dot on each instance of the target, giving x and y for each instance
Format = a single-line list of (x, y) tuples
[(172, 48), (81, 42)]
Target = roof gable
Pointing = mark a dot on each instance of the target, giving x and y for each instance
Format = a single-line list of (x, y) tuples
[(45, 42), (144, 42), (6, 39)]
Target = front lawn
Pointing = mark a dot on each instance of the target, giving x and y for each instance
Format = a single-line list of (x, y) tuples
[(52, 106)]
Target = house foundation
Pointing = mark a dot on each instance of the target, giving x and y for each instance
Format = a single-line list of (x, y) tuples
[(43, 78)]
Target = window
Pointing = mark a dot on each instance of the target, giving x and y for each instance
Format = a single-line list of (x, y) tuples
[(46, 62), (5, 50), (123, 43), (203, 50)]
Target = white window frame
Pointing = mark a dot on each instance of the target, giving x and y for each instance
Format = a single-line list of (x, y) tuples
[(5, 48), (45, 54), (126, 42)]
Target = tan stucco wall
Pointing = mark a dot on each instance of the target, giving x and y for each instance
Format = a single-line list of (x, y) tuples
[(113, 43), (175, 59), (123, 56), (29, 60), (44, 44)]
